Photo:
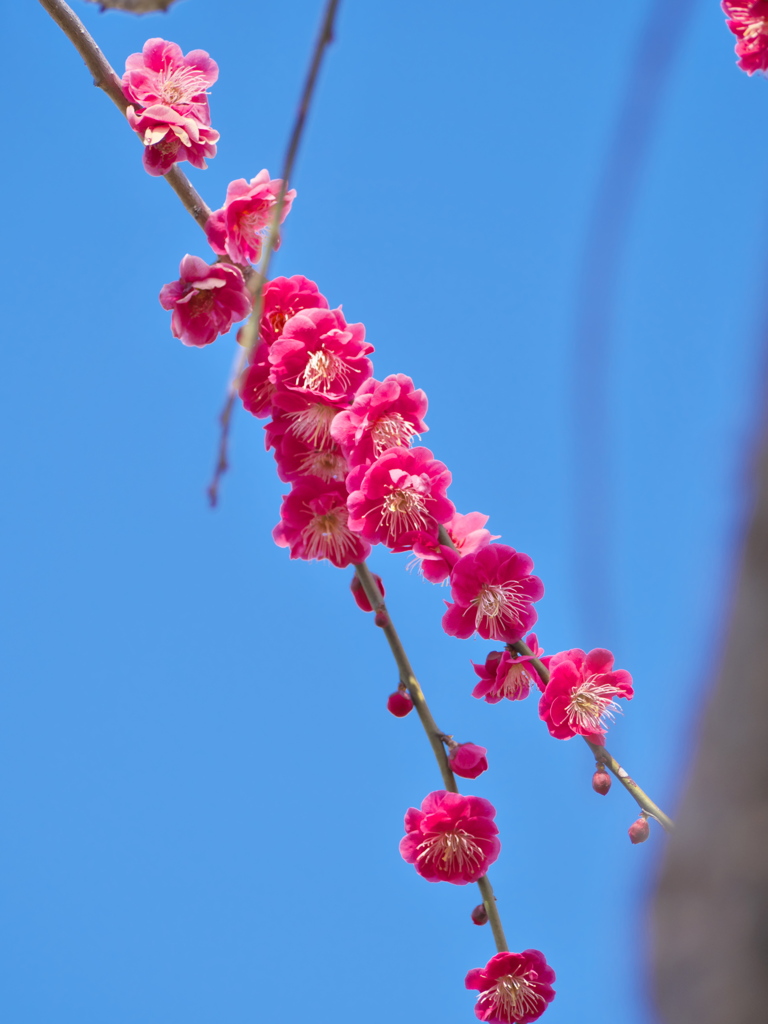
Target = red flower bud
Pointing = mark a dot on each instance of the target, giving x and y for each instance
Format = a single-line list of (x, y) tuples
[(480, 914), (601, 781), (639, 830), (359, 594), (381, 619), (468, 760), (399, 704)]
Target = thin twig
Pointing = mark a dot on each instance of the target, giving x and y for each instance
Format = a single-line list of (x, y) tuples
[(602, 755), (434, 735), (106, 78), (250, 332)]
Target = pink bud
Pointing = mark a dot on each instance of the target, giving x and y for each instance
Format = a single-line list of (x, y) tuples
[(381, 618), (601, 781), (468, 760), (359, 594), (399, 704), (639, 830), (480, 914)]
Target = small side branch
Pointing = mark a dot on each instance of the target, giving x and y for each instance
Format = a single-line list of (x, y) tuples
[(602, 755)]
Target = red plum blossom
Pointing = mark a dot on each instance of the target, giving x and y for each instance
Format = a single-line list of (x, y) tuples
[(236, 229), (313, 524), (321, 356), (748, 20), (579, 696), (507, 676), (453, 838), (493, 592), (281, 299), (514, 988), (206, 300), (255, 387), (360, 596), (399, 703), (401, 494), (384, 414)]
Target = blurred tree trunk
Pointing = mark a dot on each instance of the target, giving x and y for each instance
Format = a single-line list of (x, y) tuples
[(710, 913)]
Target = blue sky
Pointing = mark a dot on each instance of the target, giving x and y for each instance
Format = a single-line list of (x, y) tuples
[(202, 793)]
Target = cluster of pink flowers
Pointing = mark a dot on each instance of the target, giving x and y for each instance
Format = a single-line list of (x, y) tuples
[(748, 20), (167, 94)]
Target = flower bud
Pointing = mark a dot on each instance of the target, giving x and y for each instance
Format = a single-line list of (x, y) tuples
[(381, 618), (639, 830), (399, 704), (480, 914), (359, 594), (468, 760), (601, 781)]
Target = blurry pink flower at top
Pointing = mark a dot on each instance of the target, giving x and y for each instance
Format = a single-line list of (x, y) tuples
[(282, 298), (170, 137), (206, 300), (255, 387), (453, 838), (514, 988), (468, 760), (493, 591), (313, 523), (579, 696), (467, 533), (384, 414), (161, 75), (748, 20), (321, 356), (236, 229), (505, 675), (403, 492)]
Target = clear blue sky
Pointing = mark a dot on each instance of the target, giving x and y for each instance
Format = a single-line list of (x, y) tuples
[(201, 792)]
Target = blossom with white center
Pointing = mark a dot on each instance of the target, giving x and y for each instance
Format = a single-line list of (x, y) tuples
[(514, 988), (452, 838), (579, 699)]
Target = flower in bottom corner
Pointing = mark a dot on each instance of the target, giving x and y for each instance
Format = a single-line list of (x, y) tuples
[(453, 838), (514, 988)]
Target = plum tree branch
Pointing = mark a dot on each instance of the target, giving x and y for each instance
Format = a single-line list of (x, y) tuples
[(434, 735)]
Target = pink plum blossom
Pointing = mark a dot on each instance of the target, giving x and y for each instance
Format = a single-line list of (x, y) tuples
[(296, 458), (170, 137), (453, 838), (310, 419), (282, 298), (748, 20), (168, 104), (468, 760), (505, 675), (403, 492), (493, 591), (236, 230), (206, 300), (384, 414), (514, 988), (313, 523), (321, 356), (579, 696), (466, 531), (162, 75)]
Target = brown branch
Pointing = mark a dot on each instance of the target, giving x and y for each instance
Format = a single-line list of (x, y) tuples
[(250, 332), (602, 755), (107, 79), (435, 736)]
